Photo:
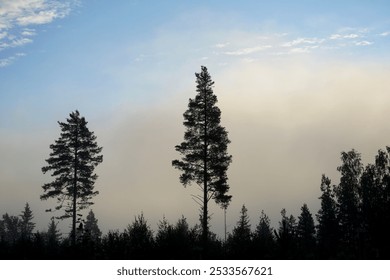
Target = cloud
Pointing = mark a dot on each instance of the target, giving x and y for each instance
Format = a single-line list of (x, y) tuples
[(384, 34), (364, 43), (17, 17), (9, 60), (222, 45), (344, 36), (28, 32), (276, 45), (246, 51), (306, 49), (300, 41), (32, 12), (351, 36)]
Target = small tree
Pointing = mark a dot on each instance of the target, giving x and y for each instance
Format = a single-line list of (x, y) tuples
[(286, 235), (26, 224), (53, 234), (91, 227), (204, 151), (239, 242), (306, 232), (11, 225), (72, 161), (328, 224), (263, 238), (139, 239)]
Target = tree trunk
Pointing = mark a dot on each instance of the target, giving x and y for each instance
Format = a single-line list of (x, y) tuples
[(74, 208), (205, 232), (205, 227), (75, 192)]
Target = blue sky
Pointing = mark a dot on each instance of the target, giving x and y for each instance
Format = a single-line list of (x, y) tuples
[(301, 80)]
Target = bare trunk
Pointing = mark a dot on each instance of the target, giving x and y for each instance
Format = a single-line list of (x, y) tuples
[(74, 192), (205, 227), (205, 232)]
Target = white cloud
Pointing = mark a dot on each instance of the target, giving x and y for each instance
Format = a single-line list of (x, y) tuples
[(351, 36), (3, 35), (335, 36), (28, 32), (344, 36), (384, 34), (4, 62), (364, 43), (20, 42), (41, 17), (28, 12), (17, 17), (306, 49), (222, 45), (247, 51), (300, 41)]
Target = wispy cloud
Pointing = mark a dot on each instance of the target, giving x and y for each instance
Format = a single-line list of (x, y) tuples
[(363, 43), (300, 41), (222, 45), (384, 34), (247, 51), (17, 18), (4, 62), (344, 36)]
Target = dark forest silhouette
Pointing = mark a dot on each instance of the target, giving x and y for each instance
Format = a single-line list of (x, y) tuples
[(352, 222)]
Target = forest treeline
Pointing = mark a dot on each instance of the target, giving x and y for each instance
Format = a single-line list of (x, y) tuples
[(352, 223)]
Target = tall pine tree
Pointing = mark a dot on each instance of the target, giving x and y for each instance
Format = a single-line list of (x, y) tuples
[(204, 150), (74, 156)]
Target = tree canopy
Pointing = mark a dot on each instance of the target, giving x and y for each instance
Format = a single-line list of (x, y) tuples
[(74, 156)]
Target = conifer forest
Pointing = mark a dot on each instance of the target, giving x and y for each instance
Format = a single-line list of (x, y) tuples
[(352, 221)]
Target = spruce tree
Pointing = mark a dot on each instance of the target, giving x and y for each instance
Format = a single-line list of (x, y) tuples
[(263, 238), (204, 150), (53, 234), (91, 227), (11, 226), (348, 199), (328, 224), (286, 235), (139, 239), (26, 224), (239, 242), (306, 233), (74, 156)]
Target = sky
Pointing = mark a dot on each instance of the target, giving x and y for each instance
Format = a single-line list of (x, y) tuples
[(297, 82)]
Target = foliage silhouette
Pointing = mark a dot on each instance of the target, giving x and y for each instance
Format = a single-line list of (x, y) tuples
[(204, 150), (26, 224), (328, 229), (239, 242), (263, 238), (306, 234), (74, 156)]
